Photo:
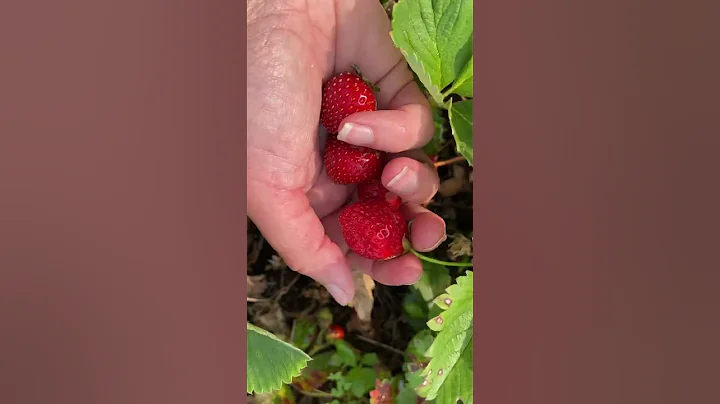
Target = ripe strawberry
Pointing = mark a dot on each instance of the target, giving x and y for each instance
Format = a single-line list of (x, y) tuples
[(335, 332), (373, 229), (350, 164), (344, 95), (374, 189)]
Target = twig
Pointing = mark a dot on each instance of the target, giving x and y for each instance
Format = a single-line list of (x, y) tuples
[(443, 147), (380, 344), (456, 159), (255, 254), (285, 289), (319, 348), (256, 300), (316, 393)]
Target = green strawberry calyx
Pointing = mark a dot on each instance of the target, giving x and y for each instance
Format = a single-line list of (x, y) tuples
[(370, 84)]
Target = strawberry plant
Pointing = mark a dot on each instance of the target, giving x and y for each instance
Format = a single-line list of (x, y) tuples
[(265, 348)]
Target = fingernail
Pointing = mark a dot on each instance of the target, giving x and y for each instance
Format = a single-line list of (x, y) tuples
[(356, 134), (338, 294), (416, 280), (442, 239), (405, 183)]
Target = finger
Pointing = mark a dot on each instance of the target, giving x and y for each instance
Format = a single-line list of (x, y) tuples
[(334, 231), (403, 270), (410, 179), (326, 196), (427, 230), (362, 39), (407, 124), (289, 224)]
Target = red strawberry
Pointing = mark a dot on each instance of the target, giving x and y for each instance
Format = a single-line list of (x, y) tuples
[(335, 332), (374, 189), (373, 229), (350, 164), (344, 95)]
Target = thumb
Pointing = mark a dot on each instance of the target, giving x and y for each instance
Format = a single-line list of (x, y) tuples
[(290, 225)]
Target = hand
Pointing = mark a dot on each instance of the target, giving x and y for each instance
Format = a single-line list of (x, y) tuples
[(293, 47)]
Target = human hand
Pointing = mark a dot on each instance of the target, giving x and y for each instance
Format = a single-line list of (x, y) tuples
[(293, 47)]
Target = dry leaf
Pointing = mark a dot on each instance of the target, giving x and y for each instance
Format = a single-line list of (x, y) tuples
[(260, 398), (460, 246), (275, 263), (364, 299), (274, 321), (454, 184), (256, 285), (317, 293)]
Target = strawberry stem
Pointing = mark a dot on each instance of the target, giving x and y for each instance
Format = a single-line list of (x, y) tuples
[(408, 247), (453, 160), (372, 86), (356, 68), (319, 348)]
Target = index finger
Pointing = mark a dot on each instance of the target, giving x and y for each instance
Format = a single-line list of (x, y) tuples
[(404, 120)]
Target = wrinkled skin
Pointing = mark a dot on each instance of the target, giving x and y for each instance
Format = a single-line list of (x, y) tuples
[(293, 47)]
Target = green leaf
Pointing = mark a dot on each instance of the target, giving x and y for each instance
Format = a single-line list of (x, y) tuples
[(435, 278), (303, 333), (284, 396), (341, 385), (463, 85), (415, 309), (346, 353), (451, 352), (415, 360), (435, 36), (458, 381), (362, 381), (336, 376), (335, 361), (438, 139), (461, 122), (321, 361), (271, 362), (433, 312), (406, 396), (369, 359), (324, 317)]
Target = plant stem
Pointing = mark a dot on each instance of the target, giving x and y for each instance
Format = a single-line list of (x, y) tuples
[(316, 393), (408, 247), (319, 348), (453, 160), (380, 344)]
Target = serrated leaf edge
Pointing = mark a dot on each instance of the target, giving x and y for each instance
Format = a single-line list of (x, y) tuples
[(296, 370), (461, 78), (460, 283), (461, 149)]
